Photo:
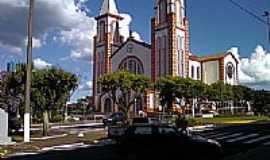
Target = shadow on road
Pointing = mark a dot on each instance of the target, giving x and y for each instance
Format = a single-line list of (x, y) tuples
[(98, 153)]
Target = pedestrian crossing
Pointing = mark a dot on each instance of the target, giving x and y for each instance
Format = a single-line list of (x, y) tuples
[(229, 136), (242, 138), (258, 139), (245, 138)]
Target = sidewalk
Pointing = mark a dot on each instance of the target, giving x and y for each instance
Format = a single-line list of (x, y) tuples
[(68, 123), (37, 127)]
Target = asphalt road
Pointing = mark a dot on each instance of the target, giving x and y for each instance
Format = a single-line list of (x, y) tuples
[(240, 138), (234, 139), (93, 153), (98, 153)]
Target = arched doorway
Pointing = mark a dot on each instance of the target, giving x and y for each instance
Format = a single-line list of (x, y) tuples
[(108, 106)]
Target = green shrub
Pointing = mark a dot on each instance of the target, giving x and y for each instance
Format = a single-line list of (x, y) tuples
[(3, 152), (57, 118), (194, 122)]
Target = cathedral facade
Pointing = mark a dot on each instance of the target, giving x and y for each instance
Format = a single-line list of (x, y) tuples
[(168, 53)]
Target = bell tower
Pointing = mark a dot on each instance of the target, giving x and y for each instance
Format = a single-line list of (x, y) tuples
[(170, 39), (106, 41)]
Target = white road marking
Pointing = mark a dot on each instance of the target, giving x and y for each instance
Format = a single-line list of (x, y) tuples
[(257, 139), (229, 136), (266, 144), (65, 147), (242, 138), (50, 137), (217, 135)]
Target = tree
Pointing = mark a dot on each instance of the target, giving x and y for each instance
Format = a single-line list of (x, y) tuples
[(261, 100), (123, 88), (242, 94), (50, 90), (172, 88), (220, 93), (12, 94), (167, 87)]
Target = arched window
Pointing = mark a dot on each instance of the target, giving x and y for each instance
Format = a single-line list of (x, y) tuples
[(180, 55), (192, 72), (159, 56), (162, 11), (183, 61), (198, 73), (115, 30), (101, 63), (108, 106), (132, 64), (164, 54), (102, 31)]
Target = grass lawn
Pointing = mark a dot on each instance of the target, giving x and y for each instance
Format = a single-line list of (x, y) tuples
[(229, 120), (36, 145)]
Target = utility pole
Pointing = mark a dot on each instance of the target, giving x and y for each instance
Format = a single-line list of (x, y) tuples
[(28, 74), (267, 15)]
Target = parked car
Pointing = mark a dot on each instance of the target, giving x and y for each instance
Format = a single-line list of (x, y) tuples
[(154, 121), (115, 118), (116, 132), (160, 141), (140, 120), (215, 113), (145, 120)]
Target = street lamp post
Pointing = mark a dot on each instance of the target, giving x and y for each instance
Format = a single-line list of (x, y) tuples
[(193, 103), (28, 75), (135, 106)]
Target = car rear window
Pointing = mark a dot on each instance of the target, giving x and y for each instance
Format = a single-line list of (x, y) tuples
[(143, 130), (140, 120)]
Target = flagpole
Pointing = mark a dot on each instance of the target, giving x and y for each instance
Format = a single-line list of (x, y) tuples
[(28, 74)]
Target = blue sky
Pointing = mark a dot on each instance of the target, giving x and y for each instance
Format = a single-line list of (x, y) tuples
[(215, 26), (64, 30)]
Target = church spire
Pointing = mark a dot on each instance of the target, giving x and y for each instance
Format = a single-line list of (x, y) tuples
[(109, 7)]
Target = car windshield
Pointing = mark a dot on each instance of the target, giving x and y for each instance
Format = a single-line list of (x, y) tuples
[(116, 115), (143, 130)]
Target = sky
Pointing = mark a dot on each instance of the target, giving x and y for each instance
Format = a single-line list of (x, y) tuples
[(64, 30)]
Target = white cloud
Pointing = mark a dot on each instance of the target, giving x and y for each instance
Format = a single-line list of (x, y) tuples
[(86, 86), (255, 70), (41, 64), (81, 36), (10, 48), (37, 43), (67, 18), (125, 27), (49, 16)]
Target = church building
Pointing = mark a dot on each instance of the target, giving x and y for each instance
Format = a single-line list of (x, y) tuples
[(168, 54)]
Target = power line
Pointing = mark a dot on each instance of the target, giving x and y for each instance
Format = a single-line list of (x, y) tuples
[(247, 11)]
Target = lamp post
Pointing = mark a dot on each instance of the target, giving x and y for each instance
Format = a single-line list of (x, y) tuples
[(193, 103), (135, 106), (28, 75)]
